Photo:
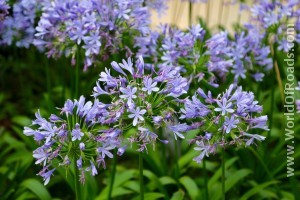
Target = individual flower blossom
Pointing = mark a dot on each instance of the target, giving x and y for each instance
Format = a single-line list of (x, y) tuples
[(46, 175), (224, 107), (128, 94), (141, 99), (137, 115), (81, 146), (73, 137), (179, 129), (205, 150), (149, 86), (230, 123), (232, 118), (76, 133)]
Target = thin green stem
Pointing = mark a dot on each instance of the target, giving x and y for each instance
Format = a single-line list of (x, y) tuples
[(223, 173), (272, 91), (205, 180), (141, 168), (176, 162), (271, 110), (113, 173), (76, 175)]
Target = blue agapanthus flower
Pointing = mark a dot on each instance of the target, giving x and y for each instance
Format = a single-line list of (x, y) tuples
[(98, 27), (18, 28), (141, 99), (273, 18), (76, 136), (232, 118), (3, 11)]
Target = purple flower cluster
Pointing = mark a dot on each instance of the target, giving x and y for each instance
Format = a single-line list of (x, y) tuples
[(219, 51), (171, 44), (229, 119), (19, 27), (96, 26), (3, 11), (250, 56), (273, 17), (244, 56), (85, 133), (76, 136), (140, 100)]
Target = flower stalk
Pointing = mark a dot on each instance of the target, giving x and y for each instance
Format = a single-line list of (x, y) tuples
[(141, 168), (223, 173), (76, 175), (113, 173), (205, 180)]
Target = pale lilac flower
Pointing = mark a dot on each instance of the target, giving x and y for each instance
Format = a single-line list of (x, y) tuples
[(104, 151), (81, 146), (224, 106), (230, 123), (252, 137), (128, 94), (204, 151), (137, 115), (76, 133), (127, 65), (41, 155), (179, 129), (47, 175), (92, 168), (149, 85), (79, 163)]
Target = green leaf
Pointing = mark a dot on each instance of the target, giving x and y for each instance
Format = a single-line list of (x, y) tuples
[(133, 185), (218, 174), (257, 189), (155, 182), (36, 188), (179, 195), (21, 120), (123, 177), (236, 177), (151, 196), (190, 186), (120, 191), (167, 180), (120, 179), (187, 158)]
